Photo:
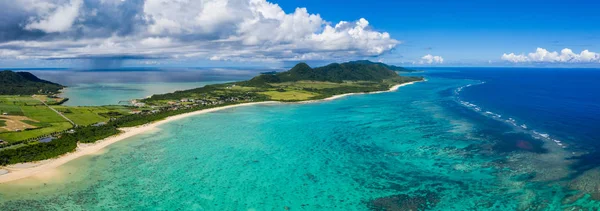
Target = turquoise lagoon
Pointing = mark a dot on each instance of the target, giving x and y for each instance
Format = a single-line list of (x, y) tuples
[(97, 94), (414, 149)]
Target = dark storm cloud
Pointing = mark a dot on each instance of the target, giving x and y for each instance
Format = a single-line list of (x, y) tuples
[(12, 20), (122, 19)]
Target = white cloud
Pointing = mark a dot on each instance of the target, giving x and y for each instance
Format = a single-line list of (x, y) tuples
[(431, 59), (241, 30), (56, 18), (542, 55), (514, 58)]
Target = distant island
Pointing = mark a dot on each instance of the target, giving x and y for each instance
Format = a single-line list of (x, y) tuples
[(48, 131), (297, 84)]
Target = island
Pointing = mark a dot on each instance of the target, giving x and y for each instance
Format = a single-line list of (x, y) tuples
[(34, 126)]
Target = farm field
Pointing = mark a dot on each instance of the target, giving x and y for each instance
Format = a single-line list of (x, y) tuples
[(25, 117), (84, 116), (11, 105), (24, 135), (290, 95)]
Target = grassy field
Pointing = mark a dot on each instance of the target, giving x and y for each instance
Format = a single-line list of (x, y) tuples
[(290, 95), (82, 116), (42, 113), (11, 109), (307, 90), (18, 100), (90, 115), (12, 104)]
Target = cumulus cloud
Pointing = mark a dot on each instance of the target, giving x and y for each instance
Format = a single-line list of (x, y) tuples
[(431, 59), (204, 29), (542, 55), (514, 58)]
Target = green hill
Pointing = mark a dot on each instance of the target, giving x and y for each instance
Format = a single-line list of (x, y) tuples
[(391, 67), (25, 83), (350, 71)]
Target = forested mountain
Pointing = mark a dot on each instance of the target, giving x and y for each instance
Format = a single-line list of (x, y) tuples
[(350, 71), (25, 83), (391, 67)]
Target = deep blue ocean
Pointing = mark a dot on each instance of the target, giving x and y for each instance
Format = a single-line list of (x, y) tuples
[(466, 139), (561, 103)]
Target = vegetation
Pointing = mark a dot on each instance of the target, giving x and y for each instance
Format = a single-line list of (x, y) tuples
[(350, 71), (25, 83), (36, 151), (300, 83), (289, 95), (391, 67)]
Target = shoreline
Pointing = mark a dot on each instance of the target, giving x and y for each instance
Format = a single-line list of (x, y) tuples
[(29, 169), (393, 88)]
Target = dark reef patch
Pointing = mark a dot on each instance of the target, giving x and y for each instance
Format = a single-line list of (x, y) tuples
[(420, 200)]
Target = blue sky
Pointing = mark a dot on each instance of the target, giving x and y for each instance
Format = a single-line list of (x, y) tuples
[(113, 33), (472, 32)]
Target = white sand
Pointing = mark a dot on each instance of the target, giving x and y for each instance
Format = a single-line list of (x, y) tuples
[(24, 170), (393, 88)]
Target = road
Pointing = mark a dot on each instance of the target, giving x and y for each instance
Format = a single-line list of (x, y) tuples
[(63, 116)]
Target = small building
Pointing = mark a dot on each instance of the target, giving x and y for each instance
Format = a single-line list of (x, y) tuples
[(135, 112), (46, 139), (71, 131), (4, 113), (139, 104), (184, 100), (99, 124), (2, 142)]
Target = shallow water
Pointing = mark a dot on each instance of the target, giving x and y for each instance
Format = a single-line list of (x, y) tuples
[(98, 94), (418, 148)]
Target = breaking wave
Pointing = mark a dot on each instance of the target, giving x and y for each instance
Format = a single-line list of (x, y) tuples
[(518, 126)]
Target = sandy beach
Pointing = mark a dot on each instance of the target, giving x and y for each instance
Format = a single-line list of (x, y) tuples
[(393, 88), (24, 170)]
